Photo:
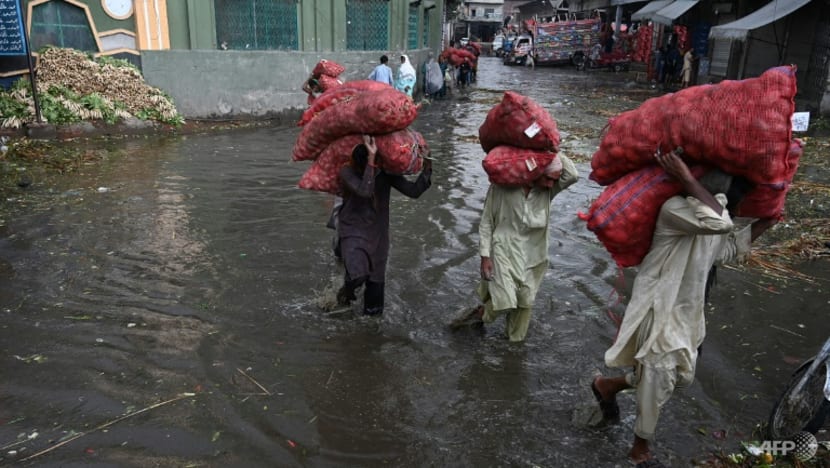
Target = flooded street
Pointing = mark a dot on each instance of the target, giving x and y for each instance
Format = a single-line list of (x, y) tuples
[(194, 265)]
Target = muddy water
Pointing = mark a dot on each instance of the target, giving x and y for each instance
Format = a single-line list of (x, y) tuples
[(193, 265)]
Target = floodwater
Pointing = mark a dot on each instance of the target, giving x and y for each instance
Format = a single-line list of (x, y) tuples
[(193, 265)]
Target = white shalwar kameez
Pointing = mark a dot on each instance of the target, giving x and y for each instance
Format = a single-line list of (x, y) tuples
[(664, 323)]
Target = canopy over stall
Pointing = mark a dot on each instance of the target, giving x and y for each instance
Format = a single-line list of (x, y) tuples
[(649, 10), (671, 12), (773, 11)]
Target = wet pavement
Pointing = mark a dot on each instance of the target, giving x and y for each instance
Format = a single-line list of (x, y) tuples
[(193, 265)]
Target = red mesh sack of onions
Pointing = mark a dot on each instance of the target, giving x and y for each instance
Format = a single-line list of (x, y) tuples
[(338, 94), (328, 83), (508, 165), (456, 56), (327, 68), (741, 127), (624, 216), (373, 112), (767, 200), (323, 175), (521, 122), (401, 152)]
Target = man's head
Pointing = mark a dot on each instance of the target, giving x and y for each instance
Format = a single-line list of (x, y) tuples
[(360, 157), (384, 59), (550, 174), (716, 181), (734, 187)]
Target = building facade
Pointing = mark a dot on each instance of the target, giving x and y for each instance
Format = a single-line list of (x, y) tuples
[(220, 40)]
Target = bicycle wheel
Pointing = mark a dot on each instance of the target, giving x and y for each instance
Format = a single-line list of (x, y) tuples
[(805, 411)]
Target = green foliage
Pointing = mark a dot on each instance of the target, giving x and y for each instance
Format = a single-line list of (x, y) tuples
[(149, 113), (56, 90), (115, 62), (11, 107), (22, 83), (55, 112), (96, 102)]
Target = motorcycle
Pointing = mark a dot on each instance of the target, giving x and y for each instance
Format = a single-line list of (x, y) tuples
[(805, 403)]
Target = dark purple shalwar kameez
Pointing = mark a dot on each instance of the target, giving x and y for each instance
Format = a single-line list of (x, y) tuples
[(363, 228)]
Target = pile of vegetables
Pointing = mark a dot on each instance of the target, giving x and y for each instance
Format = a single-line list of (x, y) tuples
[(73, 87)]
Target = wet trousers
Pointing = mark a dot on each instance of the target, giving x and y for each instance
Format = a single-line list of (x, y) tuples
[(373, 294), (654, 385), (516, 321)]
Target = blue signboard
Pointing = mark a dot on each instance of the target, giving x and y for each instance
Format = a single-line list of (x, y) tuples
[(12, 38)]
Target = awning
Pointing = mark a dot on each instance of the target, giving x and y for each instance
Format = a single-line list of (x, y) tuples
[(773, 11), (650, 9), (671, 12)]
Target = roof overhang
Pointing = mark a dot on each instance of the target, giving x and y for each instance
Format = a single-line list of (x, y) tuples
[(672, 11), (771, 12), (649, 10)]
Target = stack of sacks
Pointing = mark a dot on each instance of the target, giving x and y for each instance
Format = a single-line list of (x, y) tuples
[(642, 49), (740, 127), (682, 33), (326, 73), (456, 56), (337, 121), (520, 138)]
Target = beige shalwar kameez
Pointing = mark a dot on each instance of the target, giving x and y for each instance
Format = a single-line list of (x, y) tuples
[(664, 322), (514, 234)]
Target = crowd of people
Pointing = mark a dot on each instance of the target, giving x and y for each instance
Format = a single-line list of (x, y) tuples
[(663, 327)]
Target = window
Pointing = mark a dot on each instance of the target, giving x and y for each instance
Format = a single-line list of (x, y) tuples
[(473, 12), (257, 24), (489, 12), (412, 29), (367, 24), (61, 24)]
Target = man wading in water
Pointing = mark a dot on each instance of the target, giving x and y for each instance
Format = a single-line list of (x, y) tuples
[(664, 323), (363, 223)]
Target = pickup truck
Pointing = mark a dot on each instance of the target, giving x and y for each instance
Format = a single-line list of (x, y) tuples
[(520, 47)]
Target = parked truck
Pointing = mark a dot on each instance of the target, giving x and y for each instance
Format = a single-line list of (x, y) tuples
[(559, 42)]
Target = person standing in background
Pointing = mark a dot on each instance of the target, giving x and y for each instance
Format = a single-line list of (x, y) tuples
[(382, 72), (405, 82)]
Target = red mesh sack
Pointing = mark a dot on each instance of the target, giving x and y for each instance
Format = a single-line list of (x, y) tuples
[(508, 165), (338, 94), (328, 83), (323, 175), (371, 113), (742, 127), (327, 68), (519, 121), (767, 200), (456, 56), (624, 216), (401, 152)]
